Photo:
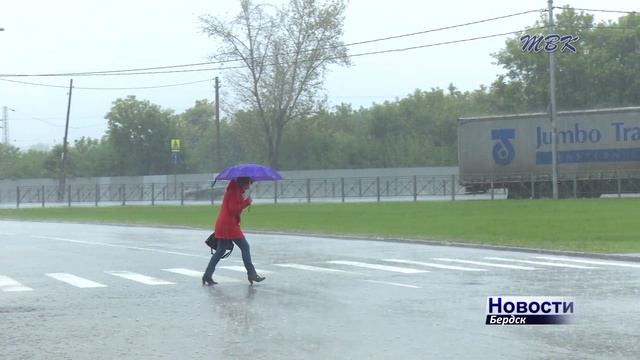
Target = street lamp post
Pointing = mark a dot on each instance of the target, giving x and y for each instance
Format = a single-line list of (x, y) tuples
[(4, 124), (552, 109)]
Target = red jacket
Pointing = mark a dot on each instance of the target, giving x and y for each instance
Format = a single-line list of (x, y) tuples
[(228, 222)]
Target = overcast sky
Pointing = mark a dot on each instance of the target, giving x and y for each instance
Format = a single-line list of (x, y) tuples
[(43, 36)]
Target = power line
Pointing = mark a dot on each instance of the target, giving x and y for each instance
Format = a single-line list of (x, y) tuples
[(328, 58), (107, 88), (37, 119), (446, 27), (144, 87), (42, 120), (137, 71), (442, 43), (239, 67), (596, 10), (613, 27)]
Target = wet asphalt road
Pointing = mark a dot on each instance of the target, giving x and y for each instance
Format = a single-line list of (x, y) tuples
[(71, 291)]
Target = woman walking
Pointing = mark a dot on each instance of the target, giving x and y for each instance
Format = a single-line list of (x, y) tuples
[(228, 230)]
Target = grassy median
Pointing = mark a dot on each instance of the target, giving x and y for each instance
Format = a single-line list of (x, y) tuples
[(595, 225)]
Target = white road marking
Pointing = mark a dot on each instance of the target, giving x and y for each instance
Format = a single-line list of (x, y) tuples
[(143, 279), (242, 269), (439, 266), (7, 234), (378, 267), (394, 284), (541, 263), (9, 285), (516, 267), (593, 262), (118, 246), (311, 268), (75, 280), (198, 274)]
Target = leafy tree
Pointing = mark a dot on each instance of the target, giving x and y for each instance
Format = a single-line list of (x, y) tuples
[(284, 53), (312, 144), (140, 133), (93, 157), (30, 165), (614, 56), (9, 158), (603, 72), (197, 132), (240, 142), (53, 160)]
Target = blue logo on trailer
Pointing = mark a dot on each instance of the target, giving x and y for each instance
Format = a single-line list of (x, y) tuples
[(503, 150)]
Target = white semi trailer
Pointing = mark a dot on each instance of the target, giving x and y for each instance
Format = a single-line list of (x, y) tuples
[(598, 152)]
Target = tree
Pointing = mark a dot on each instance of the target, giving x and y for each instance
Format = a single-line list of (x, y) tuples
[(31, 165), (9, 162), (615, 51), (240, 143), (284, 54), (197, 132), (15, 164), (140, 134), (603, 72), (93, 157)]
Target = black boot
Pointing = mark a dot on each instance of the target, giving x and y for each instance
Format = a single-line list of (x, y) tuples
[(208, 281), (256, 278)]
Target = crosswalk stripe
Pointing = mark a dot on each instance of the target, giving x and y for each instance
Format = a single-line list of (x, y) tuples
[(378, 267), (118, 246), (394, 284), (593, 262), (9, 285), (482, 263), (439, 266), (198, 274), (311, 268), (75, 280), (143, 279), (542, 263), (242, 269)]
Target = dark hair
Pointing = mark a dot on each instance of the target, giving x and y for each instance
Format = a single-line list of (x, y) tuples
[(244, 180)]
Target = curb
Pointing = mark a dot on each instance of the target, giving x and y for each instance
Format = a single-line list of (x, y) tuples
[(431, 242)]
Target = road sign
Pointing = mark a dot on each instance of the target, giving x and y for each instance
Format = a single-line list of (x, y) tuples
[(175, 145), (175, 157)]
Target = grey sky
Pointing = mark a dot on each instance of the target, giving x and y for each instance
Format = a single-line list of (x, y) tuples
[(72, 35)]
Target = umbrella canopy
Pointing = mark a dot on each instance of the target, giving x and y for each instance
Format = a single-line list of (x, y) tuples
[(256, 172)]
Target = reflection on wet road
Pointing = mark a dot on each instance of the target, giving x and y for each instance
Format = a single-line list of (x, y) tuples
[(104, 292)]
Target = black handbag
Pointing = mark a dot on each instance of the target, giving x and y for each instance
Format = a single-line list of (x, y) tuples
[(212, 243)]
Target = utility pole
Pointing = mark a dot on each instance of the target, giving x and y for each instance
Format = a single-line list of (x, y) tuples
[(552, 107), (63, 177), (5, 125), (218, 156)]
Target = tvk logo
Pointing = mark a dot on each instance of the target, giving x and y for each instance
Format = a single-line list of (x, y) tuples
[(549, 43), (503, 150)]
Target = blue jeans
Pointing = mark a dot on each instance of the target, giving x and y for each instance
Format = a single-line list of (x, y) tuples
[(223, 245)]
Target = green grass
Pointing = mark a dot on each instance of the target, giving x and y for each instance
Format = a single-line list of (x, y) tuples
[(596, 225)]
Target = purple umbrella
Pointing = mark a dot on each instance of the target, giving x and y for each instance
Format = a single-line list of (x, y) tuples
[(256, 172)]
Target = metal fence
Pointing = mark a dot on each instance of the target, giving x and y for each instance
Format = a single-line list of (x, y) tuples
[(111, 194), (400, 188), (361, 188), (344, 189)]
